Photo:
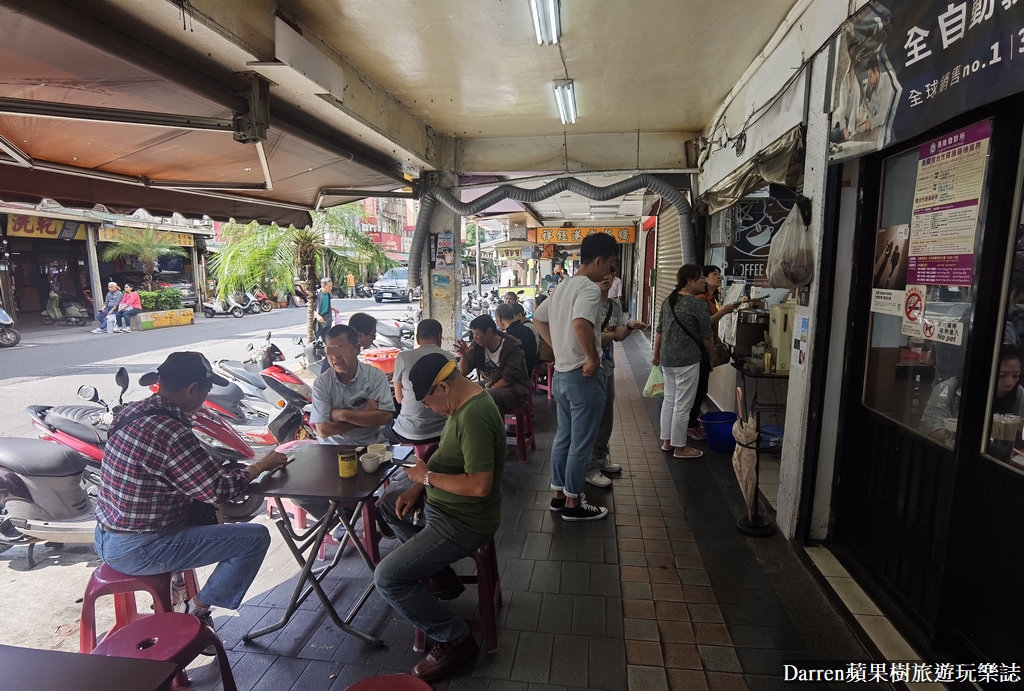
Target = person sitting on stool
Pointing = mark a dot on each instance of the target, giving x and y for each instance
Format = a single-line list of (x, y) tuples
[(452, 509), (499, 361)]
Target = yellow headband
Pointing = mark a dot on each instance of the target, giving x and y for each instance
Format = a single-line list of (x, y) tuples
[(443, 373)]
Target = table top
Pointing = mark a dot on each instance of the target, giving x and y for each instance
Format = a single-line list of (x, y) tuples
[(28, 668), (314, 475), (742, 369)]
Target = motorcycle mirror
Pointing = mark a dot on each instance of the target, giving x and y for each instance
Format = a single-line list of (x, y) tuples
[(121, 378), (89, 393), (297, 340), (117, 409), (268, 335), (248, 346)]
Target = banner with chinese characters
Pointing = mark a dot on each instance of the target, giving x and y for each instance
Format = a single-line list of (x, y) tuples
[(574, 236), (44, 228), (114, 234), (904, 66)]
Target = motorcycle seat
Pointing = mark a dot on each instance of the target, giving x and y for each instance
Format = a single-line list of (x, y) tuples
[(78, 421), (39, 458), (237, 370)]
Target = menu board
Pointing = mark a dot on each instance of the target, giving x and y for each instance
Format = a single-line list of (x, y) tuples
[(950, 180)]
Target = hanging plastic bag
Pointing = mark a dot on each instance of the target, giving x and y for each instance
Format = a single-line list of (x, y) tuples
[(655, 387), (791, 258)]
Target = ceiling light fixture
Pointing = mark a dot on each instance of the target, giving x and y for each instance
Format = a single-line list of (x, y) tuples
[(545, 21), (565, 97)]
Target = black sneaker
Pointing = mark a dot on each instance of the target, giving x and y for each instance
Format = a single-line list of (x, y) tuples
[(557, 504), (584, 512), (206, 619)]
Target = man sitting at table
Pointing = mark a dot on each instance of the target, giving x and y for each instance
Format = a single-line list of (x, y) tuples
[(460, 512), (416, 423), (499, 361), (351, 401), (156, 474)]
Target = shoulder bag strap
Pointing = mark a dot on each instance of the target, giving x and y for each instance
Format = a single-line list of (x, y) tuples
[(688, 332)]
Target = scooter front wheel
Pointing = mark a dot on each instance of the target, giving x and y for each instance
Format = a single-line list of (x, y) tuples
[(266, 305), (237, 312), (9, 337), (207, 312), (46, 319)]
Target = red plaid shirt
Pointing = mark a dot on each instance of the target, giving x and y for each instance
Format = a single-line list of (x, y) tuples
[(154, 467)]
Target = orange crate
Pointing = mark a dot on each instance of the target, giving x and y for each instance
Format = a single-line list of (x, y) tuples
[(382, 358)]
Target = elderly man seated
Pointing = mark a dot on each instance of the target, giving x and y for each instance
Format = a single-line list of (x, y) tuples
[(451, 508), (351, 401), (499, 361)]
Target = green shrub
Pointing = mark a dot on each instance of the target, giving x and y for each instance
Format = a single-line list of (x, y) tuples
[(163, 299)]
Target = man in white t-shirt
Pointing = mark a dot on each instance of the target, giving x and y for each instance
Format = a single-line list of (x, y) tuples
[(416, 423), (568, 321)]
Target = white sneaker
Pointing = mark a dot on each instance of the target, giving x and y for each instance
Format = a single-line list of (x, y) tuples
[(126, 330), (117, 330), (597, 479), (608, 467), (97, 330)]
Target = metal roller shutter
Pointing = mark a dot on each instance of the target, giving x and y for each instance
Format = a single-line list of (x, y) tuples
[(670, 255)]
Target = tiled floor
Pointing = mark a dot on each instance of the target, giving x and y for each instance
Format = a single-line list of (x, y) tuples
[(664, 594)]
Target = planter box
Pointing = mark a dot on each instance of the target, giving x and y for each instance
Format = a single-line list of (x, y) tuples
[(147, 321)]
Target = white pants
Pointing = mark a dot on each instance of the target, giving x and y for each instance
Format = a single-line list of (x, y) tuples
[(680, 389)]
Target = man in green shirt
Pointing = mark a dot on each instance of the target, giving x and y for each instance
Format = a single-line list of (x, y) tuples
[(452, 508)]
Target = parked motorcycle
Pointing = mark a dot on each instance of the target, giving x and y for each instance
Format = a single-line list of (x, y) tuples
[(68, 313), (9, 336), (83, 429), (395, 334), (266, 304), (312, 355), (214, 307), (42, 497), (250, 303)]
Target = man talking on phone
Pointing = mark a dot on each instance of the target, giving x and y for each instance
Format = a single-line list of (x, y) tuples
[(451, 509)]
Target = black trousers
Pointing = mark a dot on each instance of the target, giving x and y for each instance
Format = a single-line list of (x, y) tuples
[(702, 389)]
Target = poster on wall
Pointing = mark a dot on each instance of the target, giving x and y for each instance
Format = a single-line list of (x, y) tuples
[(798, 358), (904, 66), (445, 257), (889, 275), (758, 221), (947, 197)]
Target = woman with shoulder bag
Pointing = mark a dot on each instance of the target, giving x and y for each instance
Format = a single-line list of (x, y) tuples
[(682, 334)]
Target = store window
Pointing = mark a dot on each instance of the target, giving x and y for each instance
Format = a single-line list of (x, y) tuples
[(922, 299), (1006, 410)]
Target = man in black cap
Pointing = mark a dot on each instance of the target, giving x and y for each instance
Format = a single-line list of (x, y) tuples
[(155, 473), (452, 509)]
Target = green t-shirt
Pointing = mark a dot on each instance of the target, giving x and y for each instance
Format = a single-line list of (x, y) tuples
[(473, 441)]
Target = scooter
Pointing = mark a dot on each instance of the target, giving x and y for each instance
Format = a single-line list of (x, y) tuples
[(70, 314), (42, 496), (213, 307), (394, 334), (9, 336), (363, 291), (266, 304), (250, 303), (83, 429)]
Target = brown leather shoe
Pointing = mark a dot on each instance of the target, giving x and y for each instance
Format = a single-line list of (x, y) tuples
[(445, 658)]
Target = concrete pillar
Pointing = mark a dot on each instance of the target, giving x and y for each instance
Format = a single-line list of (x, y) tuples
[(442, 291)]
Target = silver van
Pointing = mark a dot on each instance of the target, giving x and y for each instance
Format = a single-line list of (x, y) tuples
[(393, 285)]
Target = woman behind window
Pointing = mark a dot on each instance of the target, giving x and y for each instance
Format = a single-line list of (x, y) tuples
[(130, 305), (683, 331)]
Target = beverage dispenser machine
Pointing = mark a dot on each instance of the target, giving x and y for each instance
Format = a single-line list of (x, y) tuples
[(780, 334)]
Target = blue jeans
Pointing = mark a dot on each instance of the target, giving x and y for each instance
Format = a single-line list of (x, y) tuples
[(124, 317), (604, 430), (429, 547), (580, 402), (237, 549)]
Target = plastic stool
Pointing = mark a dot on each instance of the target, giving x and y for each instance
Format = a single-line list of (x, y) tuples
[(171, 637), (551, 378), (522, 419), (105, 580), (390, 682), (297, 512), (488, 589)]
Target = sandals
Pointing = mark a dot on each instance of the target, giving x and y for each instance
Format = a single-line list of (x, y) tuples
[(666, 446), (698, 453)]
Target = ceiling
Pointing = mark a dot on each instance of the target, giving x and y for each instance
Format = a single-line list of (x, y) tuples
[(364, 96)]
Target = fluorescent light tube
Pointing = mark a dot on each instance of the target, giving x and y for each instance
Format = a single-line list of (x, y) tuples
[(545, 21), (565, 97)]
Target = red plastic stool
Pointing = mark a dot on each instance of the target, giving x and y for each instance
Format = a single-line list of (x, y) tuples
[(170, 637), (522, 419), (297, 512), (488, 599), (107, 581), (390, 682)]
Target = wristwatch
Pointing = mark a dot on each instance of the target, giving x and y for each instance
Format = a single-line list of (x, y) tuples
[(426, 480)]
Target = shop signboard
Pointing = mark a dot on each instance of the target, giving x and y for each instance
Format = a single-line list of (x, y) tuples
[(42, 228), (904, 66), (574, 236), (758, 221), (117, 233)]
